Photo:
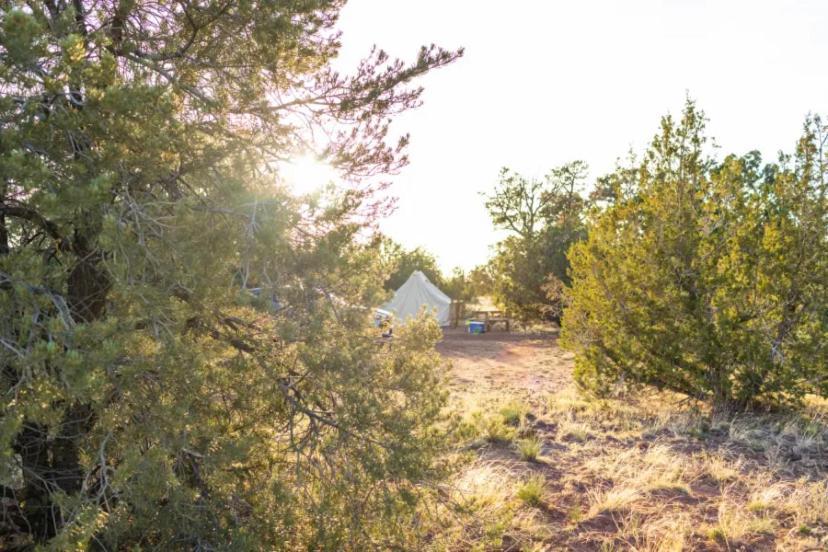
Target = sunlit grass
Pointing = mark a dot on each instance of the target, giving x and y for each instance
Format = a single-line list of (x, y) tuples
[(531, 491), (643, 474), (513, 412), (529, 449), (497, 432)]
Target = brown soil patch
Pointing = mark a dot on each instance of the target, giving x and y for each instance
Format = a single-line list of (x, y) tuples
[(522, 366)]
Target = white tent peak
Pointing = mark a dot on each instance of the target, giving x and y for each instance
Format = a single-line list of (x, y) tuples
[(417, 293)]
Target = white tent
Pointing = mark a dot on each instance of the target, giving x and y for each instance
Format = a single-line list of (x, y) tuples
[(418, 293)]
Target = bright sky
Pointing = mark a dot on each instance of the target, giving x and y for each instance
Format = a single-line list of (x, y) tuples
[(546, 82)]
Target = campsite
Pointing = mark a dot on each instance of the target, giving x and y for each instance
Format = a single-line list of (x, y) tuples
[(357, 276), (548, 468)]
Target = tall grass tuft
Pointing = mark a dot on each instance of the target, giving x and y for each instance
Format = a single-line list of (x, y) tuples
[(529, 449), (531, 491), (512, 413)]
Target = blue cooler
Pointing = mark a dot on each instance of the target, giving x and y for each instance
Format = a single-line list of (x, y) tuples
[(475, 327)]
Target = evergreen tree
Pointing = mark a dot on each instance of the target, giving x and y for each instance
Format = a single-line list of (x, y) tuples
[(399, 263), (148, 399), (707, 278), (544, 218)]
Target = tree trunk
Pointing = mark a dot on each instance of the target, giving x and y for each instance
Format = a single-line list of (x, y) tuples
[(4, 232), (52, 465)]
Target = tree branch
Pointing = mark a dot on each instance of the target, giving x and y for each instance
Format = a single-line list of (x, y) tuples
[(28, 214)]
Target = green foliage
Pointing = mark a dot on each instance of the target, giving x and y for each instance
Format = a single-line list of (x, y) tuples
[(707, 278), (545, 218), (150, 400), (458, 286), (531, 490), (512, 413), (529, 449), (480, 281), (399, 263), (498, 432)]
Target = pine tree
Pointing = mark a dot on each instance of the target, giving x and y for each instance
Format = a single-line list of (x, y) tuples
[(707, 278), (149, 398), (544, 217)]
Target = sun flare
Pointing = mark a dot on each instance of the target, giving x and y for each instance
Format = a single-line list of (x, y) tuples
[(307, 174)]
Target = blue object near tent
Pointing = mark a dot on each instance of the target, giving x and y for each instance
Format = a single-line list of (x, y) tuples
[(475, 327)]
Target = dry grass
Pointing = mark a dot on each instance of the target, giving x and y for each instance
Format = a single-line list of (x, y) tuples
[(650, 472), (531, 490), (529, 449)]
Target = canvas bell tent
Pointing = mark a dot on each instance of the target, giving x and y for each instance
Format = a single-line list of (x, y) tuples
[(418, 293)]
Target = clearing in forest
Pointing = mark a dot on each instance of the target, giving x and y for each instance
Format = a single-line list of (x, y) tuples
[(550, 469), (525, 366)]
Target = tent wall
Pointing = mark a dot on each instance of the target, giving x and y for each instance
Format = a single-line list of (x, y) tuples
[(419, 293)]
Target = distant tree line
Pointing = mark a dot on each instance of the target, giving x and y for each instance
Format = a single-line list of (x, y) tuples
[(529, 270), (398, 263), (544, 217)]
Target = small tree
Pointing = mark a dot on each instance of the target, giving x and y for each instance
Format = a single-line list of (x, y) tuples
[(457, 285), (481, 281), (399, 263), (707, 278), (544, 218)]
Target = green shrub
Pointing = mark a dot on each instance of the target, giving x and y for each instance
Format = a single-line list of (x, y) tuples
[(707, 278), (186, 358)]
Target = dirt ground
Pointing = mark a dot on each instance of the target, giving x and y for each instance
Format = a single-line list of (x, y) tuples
[(525, 366), (640, 473)]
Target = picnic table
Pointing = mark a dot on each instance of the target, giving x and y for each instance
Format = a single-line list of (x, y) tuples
[(490, 318)]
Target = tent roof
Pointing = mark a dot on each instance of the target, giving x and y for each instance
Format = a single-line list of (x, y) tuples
[(415, 294)]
